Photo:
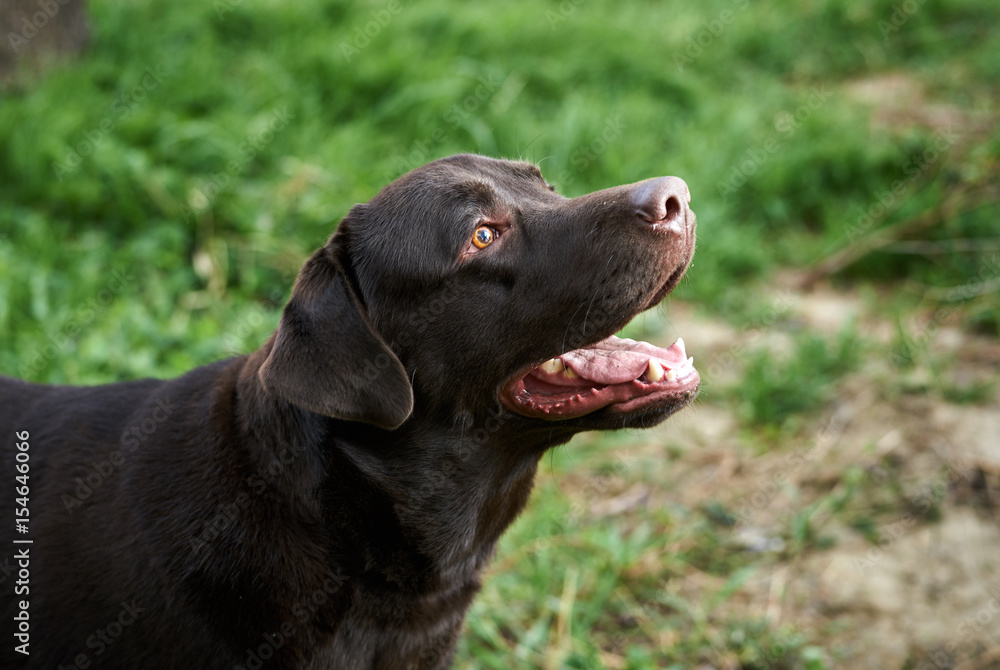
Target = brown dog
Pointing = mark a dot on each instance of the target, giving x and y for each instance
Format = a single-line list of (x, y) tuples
[(330, 500)]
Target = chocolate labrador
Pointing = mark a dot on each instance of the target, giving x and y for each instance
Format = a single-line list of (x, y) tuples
[(330, 500)]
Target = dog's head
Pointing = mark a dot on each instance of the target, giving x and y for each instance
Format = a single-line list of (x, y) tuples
[(470, 286)]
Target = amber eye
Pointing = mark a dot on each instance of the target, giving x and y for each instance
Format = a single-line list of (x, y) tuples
[(483, 237)]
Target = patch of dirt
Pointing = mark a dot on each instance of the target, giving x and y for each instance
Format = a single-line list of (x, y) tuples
[(926, 592), (901, 101), (912, 595)]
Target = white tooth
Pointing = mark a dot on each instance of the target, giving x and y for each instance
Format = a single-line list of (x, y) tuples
[(655, 371), (552, 366), (569, 374), (680, 343), (671, 376)]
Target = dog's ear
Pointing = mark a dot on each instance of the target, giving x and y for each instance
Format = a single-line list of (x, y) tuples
[(326, 356)]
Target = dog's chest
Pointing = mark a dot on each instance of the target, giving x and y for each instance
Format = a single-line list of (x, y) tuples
[(360, 644)]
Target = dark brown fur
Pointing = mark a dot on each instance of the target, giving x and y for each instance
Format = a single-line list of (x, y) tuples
[(330, 500)]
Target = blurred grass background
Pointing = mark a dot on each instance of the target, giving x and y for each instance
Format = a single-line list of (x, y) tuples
[(158, 194)]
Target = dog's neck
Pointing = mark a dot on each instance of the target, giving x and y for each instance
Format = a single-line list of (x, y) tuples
[(427, 505)]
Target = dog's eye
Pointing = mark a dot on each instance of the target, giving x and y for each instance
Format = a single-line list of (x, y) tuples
[(483, 237)]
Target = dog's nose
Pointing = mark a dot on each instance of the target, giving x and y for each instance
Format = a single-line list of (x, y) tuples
[(662, 200)]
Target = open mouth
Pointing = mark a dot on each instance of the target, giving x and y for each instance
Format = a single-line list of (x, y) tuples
[(619, 373)]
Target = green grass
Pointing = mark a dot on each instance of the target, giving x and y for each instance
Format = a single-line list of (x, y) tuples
[(144, 231), (588, 590), (776, 388)]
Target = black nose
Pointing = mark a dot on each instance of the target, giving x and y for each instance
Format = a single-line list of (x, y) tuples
[(662, 200)]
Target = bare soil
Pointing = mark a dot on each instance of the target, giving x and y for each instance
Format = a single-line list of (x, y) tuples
[(922, 590)]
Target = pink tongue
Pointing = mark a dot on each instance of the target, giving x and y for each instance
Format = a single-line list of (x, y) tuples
[(616, 360)]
